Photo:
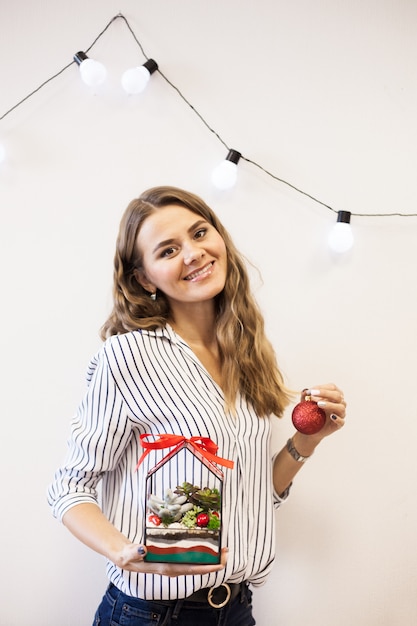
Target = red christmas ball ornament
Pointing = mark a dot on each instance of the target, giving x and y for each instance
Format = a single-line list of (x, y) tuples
[(308, 418), (203, 519)]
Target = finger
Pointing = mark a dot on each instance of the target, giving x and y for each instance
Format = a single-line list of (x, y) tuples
[(333, 409), (141, 551), (223, 558), (327, 392), (136, 552), (132, 554), (304, 393), (337, 420)]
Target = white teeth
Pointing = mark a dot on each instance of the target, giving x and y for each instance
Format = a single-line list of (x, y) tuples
[(202, 271)]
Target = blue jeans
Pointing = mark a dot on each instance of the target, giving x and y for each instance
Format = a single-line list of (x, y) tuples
[(118, 609)]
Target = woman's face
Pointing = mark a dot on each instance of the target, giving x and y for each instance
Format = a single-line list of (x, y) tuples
[(183, 256)]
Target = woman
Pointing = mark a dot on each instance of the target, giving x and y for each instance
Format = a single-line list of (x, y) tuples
[(184, 353)]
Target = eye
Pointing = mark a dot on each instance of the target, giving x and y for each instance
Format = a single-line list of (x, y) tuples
[(200, 233), (167, 252)]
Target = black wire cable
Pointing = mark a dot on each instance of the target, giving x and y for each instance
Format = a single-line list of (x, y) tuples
[(173, 86), (113, 19), (281, 180), (36, 90), (32, 93), (212, 130)]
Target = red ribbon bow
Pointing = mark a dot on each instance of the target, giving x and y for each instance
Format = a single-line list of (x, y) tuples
[(204, 445)]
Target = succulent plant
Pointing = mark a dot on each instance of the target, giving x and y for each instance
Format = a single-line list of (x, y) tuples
[(206, 498), (184, 505), (171, 508)]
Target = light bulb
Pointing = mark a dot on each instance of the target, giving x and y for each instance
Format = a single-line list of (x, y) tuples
[(341, 237), (92, 72), (225, 174), (135, 79)]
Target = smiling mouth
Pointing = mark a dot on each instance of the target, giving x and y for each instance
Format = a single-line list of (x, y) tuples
[(198, 273)]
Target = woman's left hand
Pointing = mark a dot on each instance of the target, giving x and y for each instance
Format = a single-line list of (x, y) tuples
[(331, 399)]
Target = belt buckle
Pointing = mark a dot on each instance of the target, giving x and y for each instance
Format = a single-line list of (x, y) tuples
[(221, 604)]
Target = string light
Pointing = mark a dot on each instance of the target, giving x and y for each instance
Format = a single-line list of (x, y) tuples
[(224, 176), (93, 73), (135, 79), (340, 238), (181, 95)]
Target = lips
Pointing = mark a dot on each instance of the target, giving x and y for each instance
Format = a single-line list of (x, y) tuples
[(200, 272)]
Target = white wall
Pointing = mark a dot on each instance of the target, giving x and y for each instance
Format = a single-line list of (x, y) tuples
[(321, 94)]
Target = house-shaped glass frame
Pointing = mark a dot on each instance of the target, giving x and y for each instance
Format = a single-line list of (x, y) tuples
[(174, 542)]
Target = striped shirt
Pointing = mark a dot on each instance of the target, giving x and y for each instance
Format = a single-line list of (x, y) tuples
[(152, 382)]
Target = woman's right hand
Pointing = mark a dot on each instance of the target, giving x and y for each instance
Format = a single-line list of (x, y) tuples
[(87, 522), (132, 558)]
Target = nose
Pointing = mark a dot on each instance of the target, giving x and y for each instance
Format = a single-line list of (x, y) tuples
[(192, 252)]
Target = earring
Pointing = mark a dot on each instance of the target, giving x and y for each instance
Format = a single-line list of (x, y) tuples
[(153, 296)]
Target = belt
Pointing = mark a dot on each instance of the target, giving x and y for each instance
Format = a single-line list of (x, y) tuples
[(217, 597)]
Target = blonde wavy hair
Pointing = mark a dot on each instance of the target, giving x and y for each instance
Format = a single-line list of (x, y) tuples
[(248, 360)]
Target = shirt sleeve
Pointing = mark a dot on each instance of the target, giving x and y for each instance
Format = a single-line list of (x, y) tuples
[(99, 433)]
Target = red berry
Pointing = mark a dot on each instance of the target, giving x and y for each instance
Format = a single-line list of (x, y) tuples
[(308, 418), (154, 519), (202, 520)]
